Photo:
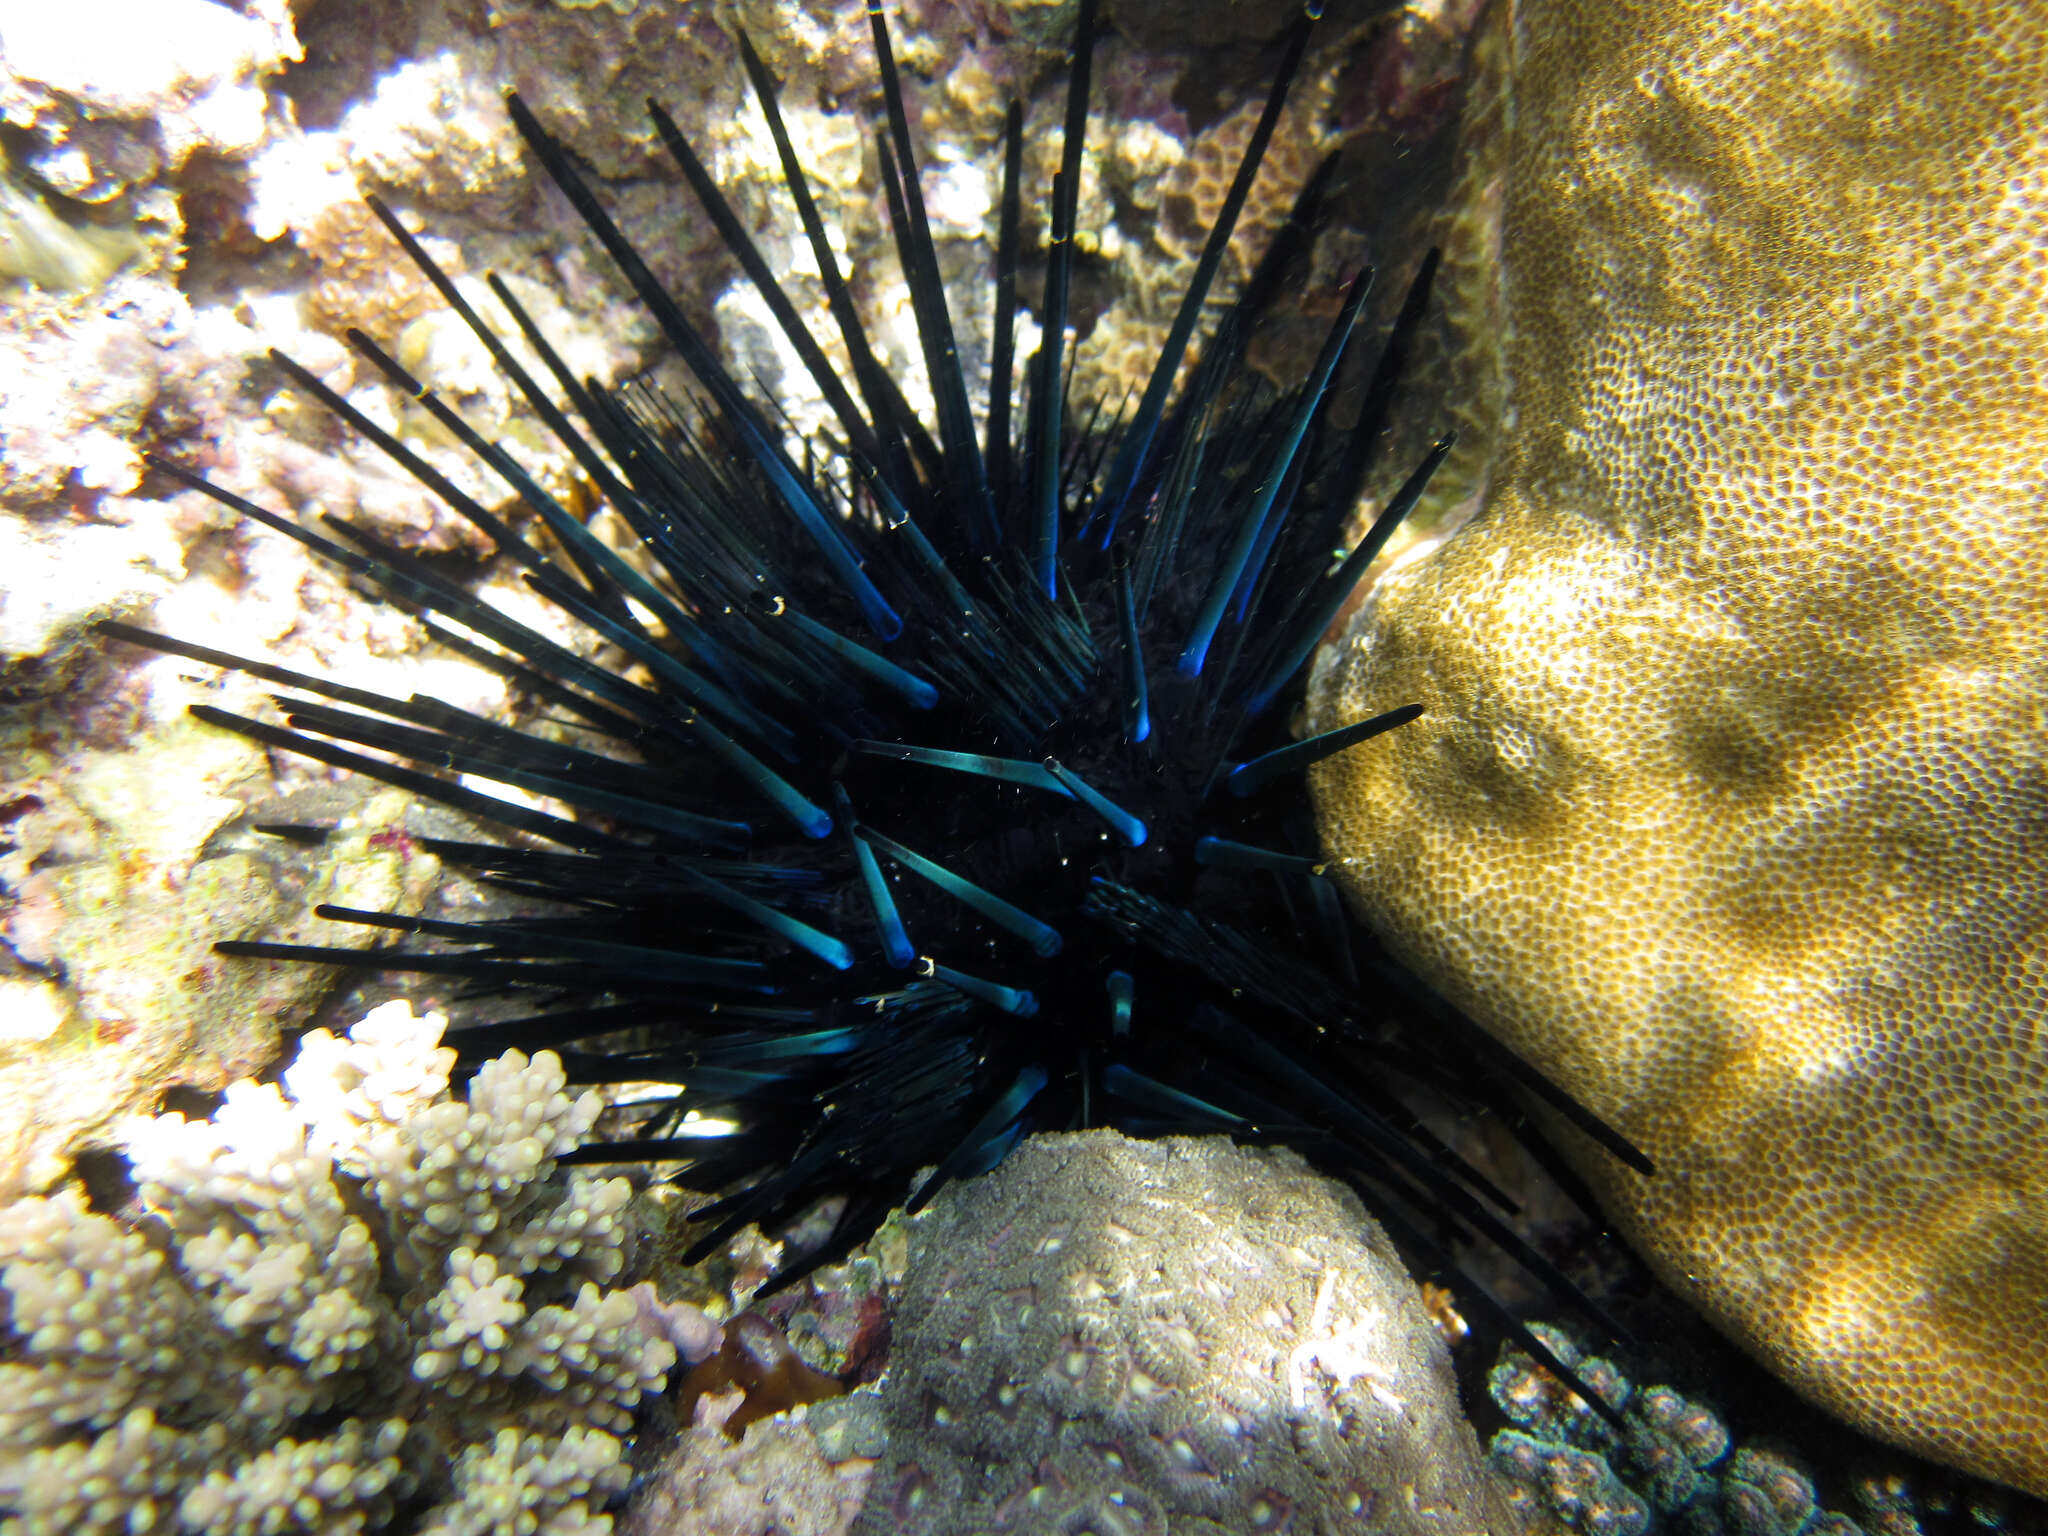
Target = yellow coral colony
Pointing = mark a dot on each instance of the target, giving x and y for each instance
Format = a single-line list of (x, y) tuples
[(1730, 808)]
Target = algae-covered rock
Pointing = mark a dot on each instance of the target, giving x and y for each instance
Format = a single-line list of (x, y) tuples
[(114, 992)]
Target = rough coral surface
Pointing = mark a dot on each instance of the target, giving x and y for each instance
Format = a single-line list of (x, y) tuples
[(1728, 807), (1180, 1335), (345, 1300)]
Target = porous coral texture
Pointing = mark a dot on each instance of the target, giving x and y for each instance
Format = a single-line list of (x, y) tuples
[(1727, 811), (1181, 1335), (342, 1301)]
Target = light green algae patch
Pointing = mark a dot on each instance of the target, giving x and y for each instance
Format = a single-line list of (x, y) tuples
[(40, 247), (118, 994)]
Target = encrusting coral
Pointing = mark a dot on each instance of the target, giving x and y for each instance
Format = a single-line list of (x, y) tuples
[(1177, 1335), (1672, 1464), (1726, 809), (344, 1300), (1668, 1469)]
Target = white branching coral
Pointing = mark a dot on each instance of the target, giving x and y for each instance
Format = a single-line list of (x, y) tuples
[(348, 1300)]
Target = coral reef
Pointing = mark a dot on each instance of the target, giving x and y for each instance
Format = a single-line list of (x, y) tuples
[(171, 122), (111, 94), (1179, 1334), (106, 101), (218, 157), (1564, 1459), (1726, 808), (344, 1299), (761, 1437)]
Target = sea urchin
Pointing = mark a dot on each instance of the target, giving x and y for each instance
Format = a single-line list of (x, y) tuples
[(935, 788)]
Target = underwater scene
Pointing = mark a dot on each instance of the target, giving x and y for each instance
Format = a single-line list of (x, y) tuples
[(797, 767)]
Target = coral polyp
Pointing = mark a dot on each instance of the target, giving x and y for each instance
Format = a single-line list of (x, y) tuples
[(926, 784)]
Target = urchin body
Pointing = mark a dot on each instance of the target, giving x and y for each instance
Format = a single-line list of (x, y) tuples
[(926, 784)]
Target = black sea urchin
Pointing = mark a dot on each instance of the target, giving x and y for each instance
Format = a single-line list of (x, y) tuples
[(936, 788)]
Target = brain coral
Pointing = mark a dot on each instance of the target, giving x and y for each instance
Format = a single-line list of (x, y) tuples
[(1135, 1338), (1730, 807)]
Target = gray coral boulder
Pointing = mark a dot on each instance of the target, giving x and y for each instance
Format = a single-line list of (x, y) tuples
[(1178, 1336)]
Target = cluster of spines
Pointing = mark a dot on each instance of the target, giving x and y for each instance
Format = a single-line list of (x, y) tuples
[(1090, 633)]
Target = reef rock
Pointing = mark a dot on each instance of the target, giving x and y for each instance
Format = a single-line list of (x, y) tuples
[(1177, 1335), (1730, 807)]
